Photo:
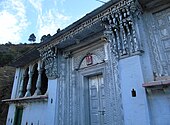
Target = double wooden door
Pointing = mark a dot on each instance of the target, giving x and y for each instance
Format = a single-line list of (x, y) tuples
[(97, 100)]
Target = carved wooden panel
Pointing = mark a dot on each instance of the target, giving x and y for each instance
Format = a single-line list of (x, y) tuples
[(162, 39), (98, 56)]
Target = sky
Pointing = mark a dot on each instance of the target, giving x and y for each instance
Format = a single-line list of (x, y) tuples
[(20, 18)]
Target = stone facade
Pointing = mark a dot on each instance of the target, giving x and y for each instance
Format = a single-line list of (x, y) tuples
[(112, 68)]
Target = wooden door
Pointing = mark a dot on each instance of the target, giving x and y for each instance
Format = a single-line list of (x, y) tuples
[(18, 116), (97, 100)]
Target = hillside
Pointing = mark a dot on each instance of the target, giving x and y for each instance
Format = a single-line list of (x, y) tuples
[(8, 52), (6, 80)]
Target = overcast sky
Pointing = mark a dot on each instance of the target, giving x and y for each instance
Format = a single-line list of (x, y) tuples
[(20, 18)]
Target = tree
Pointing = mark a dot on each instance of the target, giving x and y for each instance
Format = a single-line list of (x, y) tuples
[(32, 38)]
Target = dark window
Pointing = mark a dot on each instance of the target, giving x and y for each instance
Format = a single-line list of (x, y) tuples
[(34, 79), (26, 78), (44, 82)]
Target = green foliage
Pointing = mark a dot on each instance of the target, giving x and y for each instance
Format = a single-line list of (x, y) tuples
[(32, 38), (23, 50), (5, 58), (9, 51), (6, 79)]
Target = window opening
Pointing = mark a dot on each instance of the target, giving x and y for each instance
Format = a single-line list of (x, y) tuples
[(34, 79), (26, 78), (44, 84)]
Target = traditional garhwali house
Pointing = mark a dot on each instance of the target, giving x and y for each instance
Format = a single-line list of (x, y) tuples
[(111, 67)]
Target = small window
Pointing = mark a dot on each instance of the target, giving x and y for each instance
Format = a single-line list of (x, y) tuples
[(34, 79), (26, 78)]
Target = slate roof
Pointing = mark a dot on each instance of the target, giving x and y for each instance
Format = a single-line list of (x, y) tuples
[(26, 58), (34, 53), (80, 21)]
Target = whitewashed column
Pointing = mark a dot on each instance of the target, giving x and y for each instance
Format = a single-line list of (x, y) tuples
[(38, 84), (30, 73), (21, 85)]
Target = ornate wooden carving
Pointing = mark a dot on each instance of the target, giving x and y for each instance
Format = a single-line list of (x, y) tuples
[(120, 26), (49, 57), (159, 41), (121, 34), (98, 56)]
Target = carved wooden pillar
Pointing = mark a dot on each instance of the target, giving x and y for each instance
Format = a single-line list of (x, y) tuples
[(30, 73), (113, 88), (38, 84), (49, 57), (123, 42)]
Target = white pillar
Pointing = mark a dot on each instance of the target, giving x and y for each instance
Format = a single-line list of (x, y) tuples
[(21, 85), (38, 84), (132, 77), (30, 73)]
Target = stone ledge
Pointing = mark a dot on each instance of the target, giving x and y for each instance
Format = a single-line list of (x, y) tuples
[(158, 86), (40, 98), (156, 83)]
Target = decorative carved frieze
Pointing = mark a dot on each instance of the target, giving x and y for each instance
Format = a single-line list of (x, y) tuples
[(49, 57), (97, 55), (114, 89), (77, 60), (61, 92), (159, 42), (120, 28)]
